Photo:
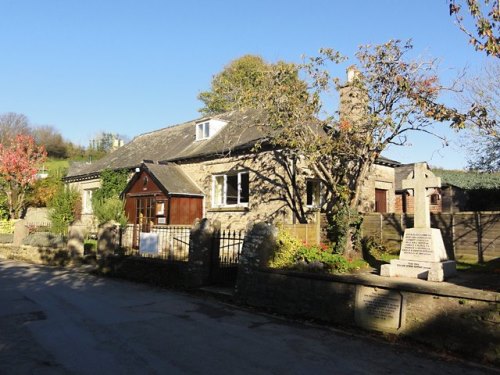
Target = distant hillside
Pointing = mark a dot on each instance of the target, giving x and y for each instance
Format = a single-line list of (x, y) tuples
[(56, 167)]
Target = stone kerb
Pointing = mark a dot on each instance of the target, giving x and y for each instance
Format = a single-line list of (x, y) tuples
[(200, 246)]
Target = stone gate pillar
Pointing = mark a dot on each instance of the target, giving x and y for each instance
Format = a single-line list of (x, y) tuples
[(258, 249), (200, 246)]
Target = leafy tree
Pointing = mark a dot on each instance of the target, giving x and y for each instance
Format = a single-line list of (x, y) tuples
[(11, 125), (19, 164), (106, 202), (111, 209), (43, 191), (243, 82), (385, 98), (65, 209), (485, 15), (4, 210)]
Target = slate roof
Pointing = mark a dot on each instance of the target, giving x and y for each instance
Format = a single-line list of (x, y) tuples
[(173, 179), (178, 142)]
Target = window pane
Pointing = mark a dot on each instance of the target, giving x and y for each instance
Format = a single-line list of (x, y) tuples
[(206, 130), (310, 189), (199, 131), (316, 198), (87, 201), (313, 193), (218, 190), (232, 189), (244, 187)]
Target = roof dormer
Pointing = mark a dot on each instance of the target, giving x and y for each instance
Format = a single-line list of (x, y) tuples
[(208, 128)]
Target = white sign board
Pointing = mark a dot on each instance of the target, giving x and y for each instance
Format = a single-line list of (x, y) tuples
[(148, 243)]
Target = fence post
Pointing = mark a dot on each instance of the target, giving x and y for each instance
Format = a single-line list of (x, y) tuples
[(479, 232)]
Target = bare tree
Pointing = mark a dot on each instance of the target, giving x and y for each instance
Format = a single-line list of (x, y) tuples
[(12, 124), (52, 139), (484, 142)]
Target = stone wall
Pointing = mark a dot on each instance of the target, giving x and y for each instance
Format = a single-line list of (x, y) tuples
[(462, 323), (446, 317), (38, 254), (87, 219), (380, 177), (264, 189), (146, 270), (267, 185)]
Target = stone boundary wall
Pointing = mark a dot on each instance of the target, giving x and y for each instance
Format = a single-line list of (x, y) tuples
[(465, 234), (463, 323), (444, 316), (153, 271), (38, 254)]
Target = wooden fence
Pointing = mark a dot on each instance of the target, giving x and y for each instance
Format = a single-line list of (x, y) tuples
[(309, 233), (465, 234)]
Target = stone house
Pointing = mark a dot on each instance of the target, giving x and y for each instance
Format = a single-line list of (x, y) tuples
[(208, 168)]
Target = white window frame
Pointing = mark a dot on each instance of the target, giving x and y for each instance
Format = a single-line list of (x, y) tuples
[(318, 202), (223, 202), (87, 201), (203, 130)]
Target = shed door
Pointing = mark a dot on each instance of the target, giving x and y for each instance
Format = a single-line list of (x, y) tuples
[(145, 213), (380, 200)]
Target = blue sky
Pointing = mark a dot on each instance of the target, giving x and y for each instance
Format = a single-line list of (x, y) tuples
[(130, 67)]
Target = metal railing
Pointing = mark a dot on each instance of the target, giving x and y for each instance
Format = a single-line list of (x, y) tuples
[(228, 245), (166, 242)]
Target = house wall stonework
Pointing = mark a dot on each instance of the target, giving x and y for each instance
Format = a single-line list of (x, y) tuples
[(380, 177), (268, 185), (265, 191), (87, 219)]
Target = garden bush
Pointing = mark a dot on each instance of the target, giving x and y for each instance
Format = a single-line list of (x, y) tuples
[(296, 255)]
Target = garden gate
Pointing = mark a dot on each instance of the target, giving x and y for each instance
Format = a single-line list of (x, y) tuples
[(225, 255)]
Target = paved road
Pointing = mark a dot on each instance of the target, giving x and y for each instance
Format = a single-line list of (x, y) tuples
[(57, 321)]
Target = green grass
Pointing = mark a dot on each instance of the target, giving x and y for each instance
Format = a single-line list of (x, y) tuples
[(471, 265), (357, 265), (56, 167)]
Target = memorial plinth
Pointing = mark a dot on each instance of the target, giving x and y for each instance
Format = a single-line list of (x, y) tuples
[(423, 254)]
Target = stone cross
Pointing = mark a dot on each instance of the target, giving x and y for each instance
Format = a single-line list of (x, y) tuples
[(419, 180)]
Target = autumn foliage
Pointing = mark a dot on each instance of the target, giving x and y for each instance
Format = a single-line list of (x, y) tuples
[(19, 163)]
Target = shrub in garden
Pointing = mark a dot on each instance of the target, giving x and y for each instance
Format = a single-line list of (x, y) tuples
[(65, 208), (295, 254)]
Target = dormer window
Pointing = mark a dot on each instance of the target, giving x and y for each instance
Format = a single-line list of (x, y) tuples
[(208, 128), (203, 130)]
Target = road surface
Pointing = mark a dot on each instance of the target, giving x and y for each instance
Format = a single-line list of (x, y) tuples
[(63, 321)]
